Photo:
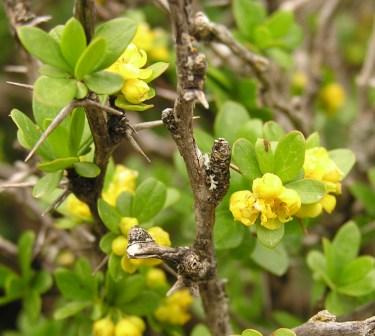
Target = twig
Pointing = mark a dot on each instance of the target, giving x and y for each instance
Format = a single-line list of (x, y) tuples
[(7, 247), (152, 124), (324, 324)]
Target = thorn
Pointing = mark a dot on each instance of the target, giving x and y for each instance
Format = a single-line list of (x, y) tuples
[(23, 85), (179, 284), (16, 69), (54, 124), (151, 124), (202, 99), (235, 168), (136, 146)]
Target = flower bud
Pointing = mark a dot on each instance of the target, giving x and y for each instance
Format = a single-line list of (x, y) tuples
[(119, 245), (103, 327), (136, 91)]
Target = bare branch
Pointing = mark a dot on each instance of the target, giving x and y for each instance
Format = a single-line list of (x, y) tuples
[(324, 324)]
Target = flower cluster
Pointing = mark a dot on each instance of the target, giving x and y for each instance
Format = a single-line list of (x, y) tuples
[(269, 201), (174, 309), (130, 67), (127, 326), (123, 179), (319, 166), (120, 244)]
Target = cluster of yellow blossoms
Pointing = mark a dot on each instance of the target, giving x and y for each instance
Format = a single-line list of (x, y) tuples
[(124, 179), (130, 67), (174, 309), (127, 326), (120, 244), (319, 166), (269, 201)]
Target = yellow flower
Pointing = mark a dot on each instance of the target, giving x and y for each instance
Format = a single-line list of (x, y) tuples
[(77, 208), (319, 166), (155, 278), (332, 97), (126, 224), (174, 309), (269, 200), (124, 179), (130, 67), (129, 327), (242, 207), (136, 91), (267, 186), (152, 41), (119, 245), (103, 327)]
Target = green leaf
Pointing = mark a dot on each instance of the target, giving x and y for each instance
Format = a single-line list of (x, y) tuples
[(114, 267), (279, 23), (251, 332), (104, 82), (25, 252), (362, 287), (133, 286), (289, 156), (248, 15), (57, 164), (228, 121), (73, 41), (157, 69), (310, 191), (365, 195), (109, 215), (50, 95), (51, 71), (86, 169), (273, 260), (313, 140), (122, 103), (227, 233), (270, 238), (29, 134), (173, 196), (338, 304), (144, 304), (200, 330), (263, 37), (265, 156), (47, 184), (42, 46), (77, 127), (32, 305), (72, 286), (317, 263), (149, 199), (105, 243), (245, 158), (70, 309), (252, 130), (371, 176), (344, 159), (272, 131), (117, 33), (356, 269), (124, 204), (283, 332), (346, 243), (91, 58), (41, 282)]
